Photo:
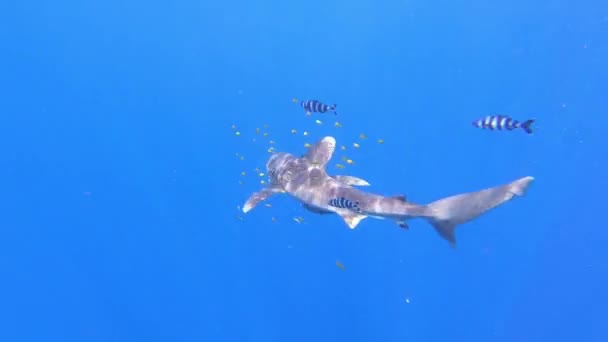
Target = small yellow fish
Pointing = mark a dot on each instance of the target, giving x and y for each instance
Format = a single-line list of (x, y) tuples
[(298, 219), (243, 174), (343, 148), (337, 124), (257, 131), (293, 131), (240, 182), (271, 150), (237, 133), (267, 205), (349, 161), (273, 219), (340, 265), (362, 136), (381, 141), (339, 166), (262, 182), (265, 134), (271, 142), (305, 133), (355, 145), (307, 145), (318, 122), (261, 174), (294, 100)]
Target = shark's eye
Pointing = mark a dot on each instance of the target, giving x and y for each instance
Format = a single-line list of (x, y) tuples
[(287, 176)]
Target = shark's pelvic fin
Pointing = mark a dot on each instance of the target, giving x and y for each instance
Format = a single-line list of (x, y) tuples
[(352, 219), (351, 181), (320, 153), (403, 224), (260, 196)]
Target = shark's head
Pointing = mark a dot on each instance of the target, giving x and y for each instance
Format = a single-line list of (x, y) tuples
[(276, 166)]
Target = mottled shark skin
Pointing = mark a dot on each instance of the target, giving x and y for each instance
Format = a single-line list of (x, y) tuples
[(305, 179)]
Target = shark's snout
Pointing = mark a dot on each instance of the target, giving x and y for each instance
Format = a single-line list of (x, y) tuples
[(329, 141), (275, 161), (276, 165)]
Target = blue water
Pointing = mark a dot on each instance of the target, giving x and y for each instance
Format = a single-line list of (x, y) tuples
[(120, 181)]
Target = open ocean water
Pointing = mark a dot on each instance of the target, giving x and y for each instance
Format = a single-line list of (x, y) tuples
[(122, 173)]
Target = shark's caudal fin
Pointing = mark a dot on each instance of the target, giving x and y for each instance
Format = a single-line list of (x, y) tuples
[(445, 214)]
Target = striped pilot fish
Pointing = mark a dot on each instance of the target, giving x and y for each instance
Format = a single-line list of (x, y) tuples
[(503, 122), (344, 203), (314, 106)]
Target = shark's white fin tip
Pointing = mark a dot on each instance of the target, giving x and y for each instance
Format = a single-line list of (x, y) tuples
[(330, 140), (260, 196), (352, 220), (321, 152), (519, 186)]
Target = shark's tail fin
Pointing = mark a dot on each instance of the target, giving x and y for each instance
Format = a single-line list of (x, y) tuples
[(445, 214)]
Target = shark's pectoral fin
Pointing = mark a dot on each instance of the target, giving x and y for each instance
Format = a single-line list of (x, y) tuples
[(351, 181), (259, 197), (352, 219)]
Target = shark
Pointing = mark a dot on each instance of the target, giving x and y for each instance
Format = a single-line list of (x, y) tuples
[(305, 178)]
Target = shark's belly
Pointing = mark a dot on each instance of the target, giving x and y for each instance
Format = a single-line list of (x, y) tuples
[(315, 198)]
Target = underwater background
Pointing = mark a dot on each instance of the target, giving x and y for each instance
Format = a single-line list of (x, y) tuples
[(126, 128)]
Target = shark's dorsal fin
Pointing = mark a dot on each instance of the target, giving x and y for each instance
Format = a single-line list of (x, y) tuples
[(320, 153), (402, 198), (259, 196), (352, 219), (351, 181)]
